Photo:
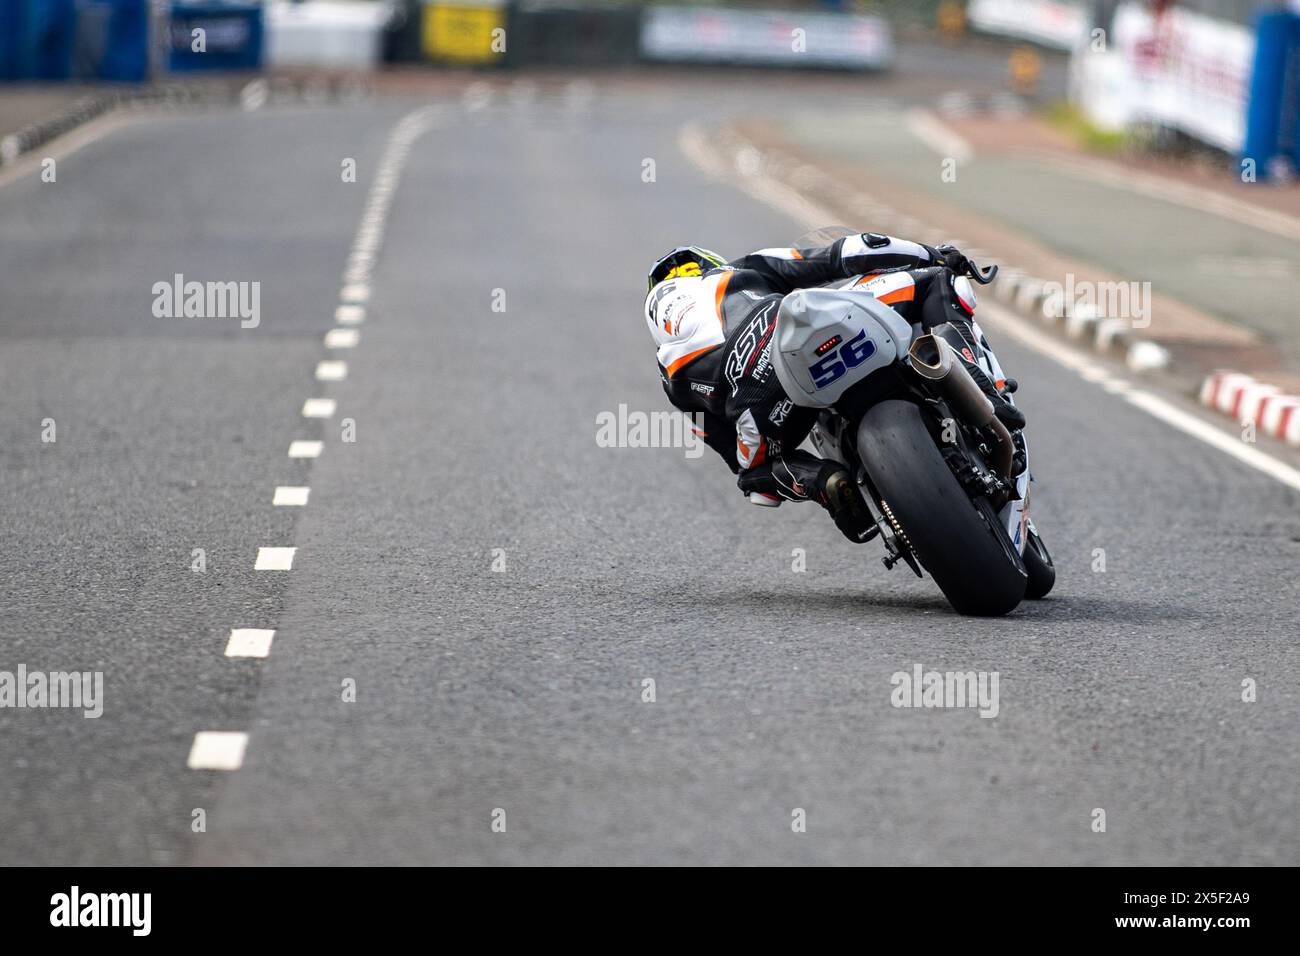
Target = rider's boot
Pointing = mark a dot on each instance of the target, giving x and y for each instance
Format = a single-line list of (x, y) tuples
[(844, 502), (799, 476)]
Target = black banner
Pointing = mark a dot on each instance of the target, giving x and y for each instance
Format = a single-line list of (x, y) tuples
[(1151, 906)]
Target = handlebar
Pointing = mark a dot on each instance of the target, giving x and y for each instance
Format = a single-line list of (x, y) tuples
[(982, 276)]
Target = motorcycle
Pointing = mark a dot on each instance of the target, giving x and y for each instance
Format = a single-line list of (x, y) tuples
[(946, 481)]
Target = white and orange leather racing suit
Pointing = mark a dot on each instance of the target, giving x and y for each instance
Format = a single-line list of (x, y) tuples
[(714, 332)]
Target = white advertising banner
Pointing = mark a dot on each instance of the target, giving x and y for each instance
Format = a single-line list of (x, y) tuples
[(1062, 24), (699, 35), (1182, 70)]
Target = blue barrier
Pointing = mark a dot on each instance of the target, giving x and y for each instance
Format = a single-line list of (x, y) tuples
[(37, 38), (1270, 115), (125, 56), (74, 39), (231, 36), (11, 45)]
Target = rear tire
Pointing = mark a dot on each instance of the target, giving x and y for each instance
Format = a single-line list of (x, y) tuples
[(961, 543)]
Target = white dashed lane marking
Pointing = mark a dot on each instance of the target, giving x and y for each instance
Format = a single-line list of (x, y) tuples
[(290, 496), (328, 371), (249, 642), (342, 338), (224, 750), (274, 559), (217, 750), (319, 408)]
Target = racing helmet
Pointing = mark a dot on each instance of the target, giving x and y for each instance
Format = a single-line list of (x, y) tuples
[(684, 261)]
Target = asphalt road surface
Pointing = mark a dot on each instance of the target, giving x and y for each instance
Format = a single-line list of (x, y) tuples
[(521, 690)]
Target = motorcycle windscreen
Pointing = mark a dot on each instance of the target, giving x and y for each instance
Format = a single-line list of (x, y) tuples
[(824, 236)]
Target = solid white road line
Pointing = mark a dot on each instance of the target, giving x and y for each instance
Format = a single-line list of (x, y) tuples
[(331, 371), (477, 96), (249, 642), (342, 338), (30, 163), (1008, 324), (254, 96), (290, 496), (937, 135), (694, 142), (217, 750), (319, 408), (303, 448), (355, 293), (274, 559), (1185, 422), (349, 314)]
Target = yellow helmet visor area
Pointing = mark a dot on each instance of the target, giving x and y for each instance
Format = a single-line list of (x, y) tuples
[(684, 262)]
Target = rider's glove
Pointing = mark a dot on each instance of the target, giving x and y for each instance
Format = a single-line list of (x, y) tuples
[(952, 257)]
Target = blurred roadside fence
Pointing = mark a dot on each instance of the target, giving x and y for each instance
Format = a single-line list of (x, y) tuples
[(248, 35), (537, 32), (1222, 73), (132, 40), (765, 38), (1057, 24), (213, 36)]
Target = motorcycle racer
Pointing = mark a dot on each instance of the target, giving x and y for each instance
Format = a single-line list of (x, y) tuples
[(712, 323)]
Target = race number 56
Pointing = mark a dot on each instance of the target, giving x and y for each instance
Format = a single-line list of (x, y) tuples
[(849, 355)]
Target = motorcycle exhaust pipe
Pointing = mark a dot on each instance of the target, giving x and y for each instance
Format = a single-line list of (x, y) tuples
[(934, 360)]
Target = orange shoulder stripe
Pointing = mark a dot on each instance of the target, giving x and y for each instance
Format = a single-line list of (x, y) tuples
[(686, 359), (721, 294)]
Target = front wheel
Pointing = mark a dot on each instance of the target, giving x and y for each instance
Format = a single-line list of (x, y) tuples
[(960, 542), (1042, 573)]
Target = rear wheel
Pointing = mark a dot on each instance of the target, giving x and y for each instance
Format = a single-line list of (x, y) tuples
[(961, 543), (1042, 573)]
